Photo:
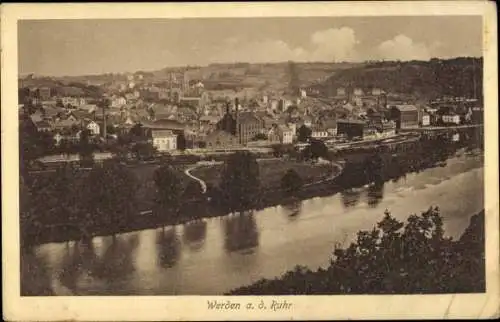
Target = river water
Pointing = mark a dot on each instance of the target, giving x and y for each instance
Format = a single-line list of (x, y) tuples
[(215, 255)]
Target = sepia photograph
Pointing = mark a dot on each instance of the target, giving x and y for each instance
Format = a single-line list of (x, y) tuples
[(234, 156)]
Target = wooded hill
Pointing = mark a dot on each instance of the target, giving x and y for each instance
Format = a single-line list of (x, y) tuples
[(425, 79)]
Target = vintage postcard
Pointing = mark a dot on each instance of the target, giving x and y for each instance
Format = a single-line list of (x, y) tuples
[(250, 161)]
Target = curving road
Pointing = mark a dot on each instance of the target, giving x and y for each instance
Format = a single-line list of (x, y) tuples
[(202, 183)]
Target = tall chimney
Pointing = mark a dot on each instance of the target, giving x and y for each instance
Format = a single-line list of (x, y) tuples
[(104, 130), (237, 118)]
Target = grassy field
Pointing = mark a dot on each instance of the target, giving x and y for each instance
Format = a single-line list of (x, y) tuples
[(146, 191), (271, 172)]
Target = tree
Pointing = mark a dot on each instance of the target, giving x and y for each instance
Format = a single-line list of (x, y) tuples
[(278, 150), (23, 95), (181, 142), (110, 129), (240, 181), (30, 147), (143, 151), (168, 183), (291, 182), (121, 148), (316, 149), (192, 190), (304, 133), (109, 195), (85, 149), (137, 132), (374, 168)]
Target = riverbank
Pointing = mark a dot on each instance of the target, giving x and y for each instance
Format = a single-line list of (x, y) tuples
[(213, 256), (196, 208), (382, 165)]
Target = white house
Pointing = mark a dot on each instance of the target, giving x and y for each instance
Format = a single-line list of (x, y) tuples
[(281, 133), (74, 101), (292, 127), (286, 134), (319, 133), (57, 138), (426, 120), (118, 101), (94, 128), (164, 140), (332, 131), (357, 92), (451, 119)]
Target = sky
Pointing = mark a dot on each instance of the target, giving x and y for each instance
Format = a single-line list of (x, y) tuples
[(90, 46)]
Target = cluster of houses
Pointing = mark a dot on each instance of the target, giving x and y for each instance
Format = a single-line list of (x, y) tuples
[(223, 119)]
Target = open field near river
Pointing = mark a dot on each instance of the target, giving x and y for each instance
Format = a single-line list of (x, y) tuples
[(271, 172)]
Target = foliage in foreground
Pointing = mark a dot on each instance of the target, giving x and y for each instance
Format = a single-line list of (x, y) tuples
[(393, 258)]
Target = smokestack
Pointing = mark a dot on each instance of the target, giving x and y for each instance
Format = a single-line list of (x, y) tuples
[(237, 118), (104, 120)]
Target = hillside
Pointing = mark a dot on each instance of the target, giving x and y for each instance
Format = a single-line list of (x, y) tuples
[(270, 76), (428, 79), (425, 79)]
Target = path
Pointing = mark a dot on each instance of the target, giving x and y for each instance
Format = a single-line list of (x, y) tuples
[(211, 163), (202, 183)]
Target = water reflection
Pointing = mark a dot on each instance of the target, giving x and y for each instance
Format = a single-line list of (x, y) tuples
[(350, 197), (195, 233), (35, 277), (116, 262), (229, 258), (293, 209), (169, 246), (399, 178), (375, 193), (240, 232), (76, 259)]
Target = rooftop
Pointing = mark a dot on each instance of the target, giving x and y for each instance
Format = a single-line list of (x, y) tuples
[(406, 108), (164, 124), (352, 121), (218, 134), (248, 117), (156, 133)]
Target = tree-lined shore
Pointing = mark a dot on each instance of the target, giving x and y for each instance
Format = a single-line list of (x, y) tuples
[(72, 203)]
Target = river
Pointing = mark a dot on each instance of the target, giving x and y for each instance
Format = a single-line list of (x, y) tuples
[(212, 256)]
